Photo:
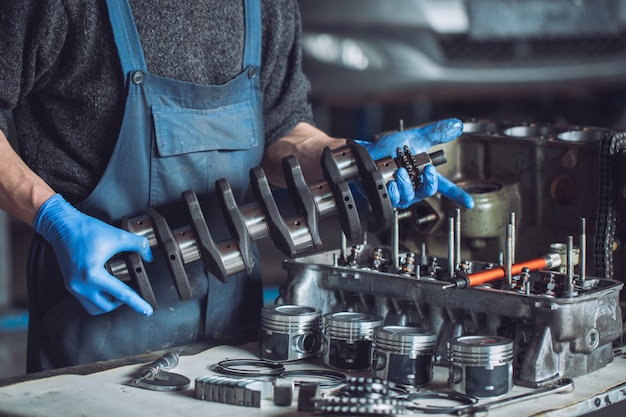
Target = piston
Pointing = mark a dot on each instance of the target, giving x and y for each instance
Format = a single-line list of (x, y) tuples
[(348, 339), (481, 366), (290, 332), (404, 354)]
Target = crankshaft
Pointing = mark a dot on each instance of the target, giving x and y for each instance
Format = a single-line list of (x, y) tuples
[(261, 217)]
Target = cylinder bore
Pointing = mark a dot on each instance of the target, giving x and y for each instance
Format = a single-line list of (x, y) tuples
[(479, 126), (582, 135), (528, 131), (481, 187)]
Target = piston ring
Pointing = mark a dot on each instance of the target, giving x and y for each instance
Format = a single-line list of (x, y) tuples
[(464, 401), (267, 368), (332, 378)]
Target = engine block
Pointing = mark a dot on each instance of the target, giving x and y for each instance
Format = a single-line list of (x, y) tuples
[(553, 336), (538, 181)]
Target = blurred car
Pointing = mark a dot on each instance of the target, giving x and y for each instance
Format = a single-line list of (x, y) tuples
[(378, 49)]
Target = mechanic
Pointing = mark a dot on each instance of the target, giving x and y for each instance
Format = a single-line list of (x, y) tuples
[(118, 110)]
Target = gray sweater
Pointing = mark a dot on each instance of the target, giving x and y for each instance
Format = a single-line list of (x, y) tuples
[(60, 73)]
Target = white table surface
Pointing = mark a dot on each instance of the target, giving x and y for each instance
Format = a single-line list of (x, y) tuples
[(107, 393)]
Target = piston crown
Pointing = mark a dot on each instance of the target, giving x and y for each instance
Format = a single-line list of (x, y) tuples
[(480, 349), (290, 310), (404, 338), (351, 324), (290, 317)]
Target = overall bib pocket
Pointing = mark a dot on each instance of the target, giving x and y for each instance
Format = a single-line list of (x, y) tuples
[(196, 147)]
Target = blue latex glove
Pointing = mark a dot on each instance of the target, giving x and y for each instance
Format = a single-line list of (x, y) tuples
[(401, 191), (83, 245)]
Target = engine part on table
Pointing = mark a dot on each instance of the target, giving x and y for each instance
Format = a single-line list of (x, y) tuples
[(360, 386), (249, 368), (262, 217), (154, 376), (323, 377), (560, 386), (229, 390), (165, 381), (404, 354), (168, 361), (360, 405), (363, 395), (307, 394), (368, 395), (430, 402), (283, 392), (348, 339), (481, 366), (548, 344), (290, 332)]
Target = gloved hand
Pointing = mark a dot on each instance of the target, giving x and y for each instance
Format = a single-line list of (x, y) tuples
[(83, 245), (401, 191)]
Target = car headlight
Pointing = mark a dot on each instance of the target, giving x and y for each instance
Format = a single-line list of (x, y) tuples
[(350, 53)]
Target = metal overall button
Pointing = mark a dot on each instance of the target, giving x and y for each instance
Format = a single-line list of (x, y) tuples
[(252, 71), (137, 77)]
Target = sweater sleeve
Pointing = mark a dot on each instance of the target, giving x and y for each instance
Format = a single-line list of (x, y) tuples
[(286, 88)]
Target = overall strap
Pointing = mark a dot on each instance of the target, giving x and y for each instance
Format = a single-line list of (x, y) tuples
[(126, 36), (253, 41)]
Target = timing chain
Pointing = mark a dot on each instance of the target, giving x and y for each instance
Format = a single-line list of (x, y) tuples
[(610, 145)]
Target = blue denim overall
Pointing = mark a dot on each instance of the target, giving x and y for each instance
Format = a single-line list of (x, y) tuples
[(175, 136)]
